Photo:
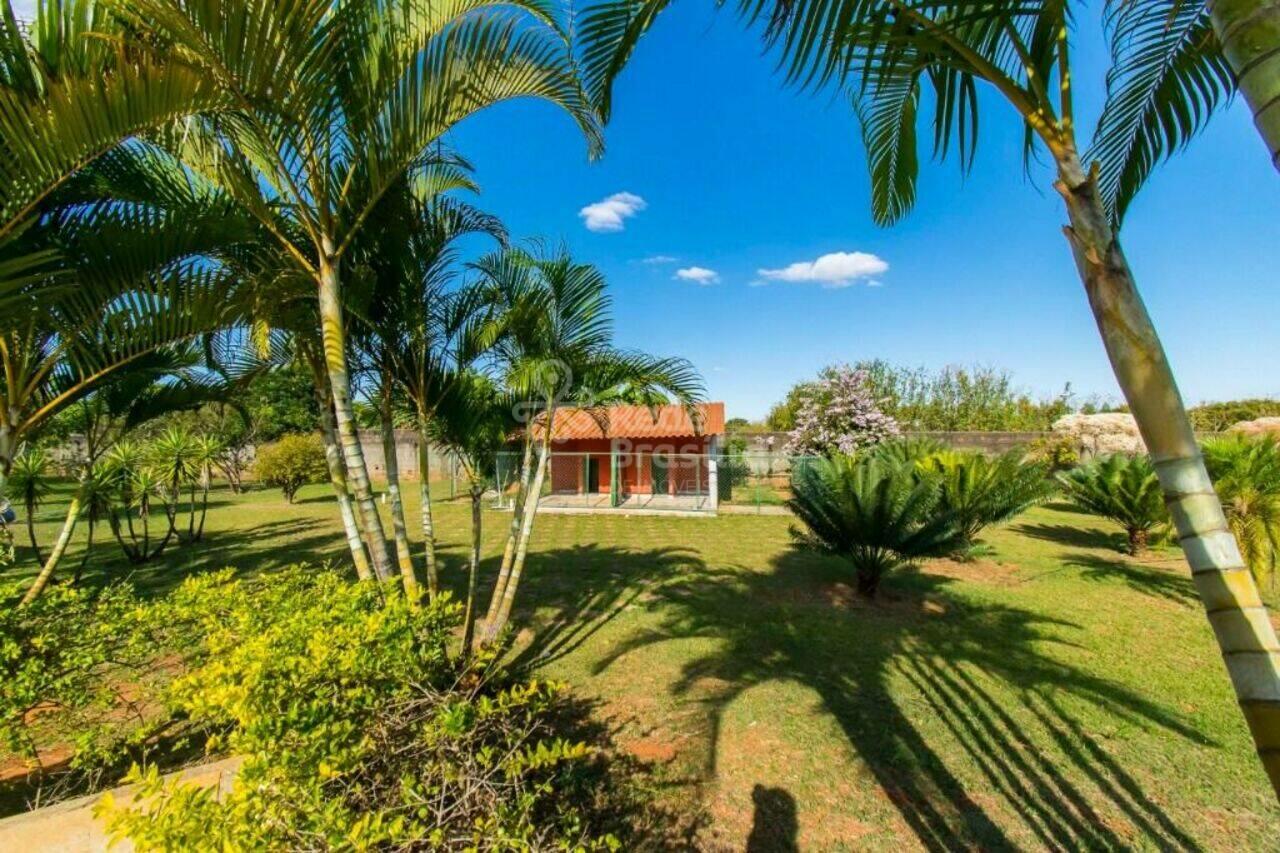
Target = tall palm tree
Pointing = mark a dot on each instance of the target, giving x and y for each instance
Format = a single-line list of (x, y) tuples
[(416, 333), (474, 419), (887, 52), (556, 348), (336, 103)]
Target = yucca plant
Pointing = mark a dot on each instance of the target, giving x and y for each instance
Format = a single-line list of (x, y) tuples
[(1246, 476), (30, 482), (206, 451), (172, 459), (980, 490), (133, 484), (876, 515), (1122, 488)]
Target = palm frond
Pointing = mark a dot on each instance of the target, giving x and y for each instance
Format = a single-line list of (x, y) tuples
[(1167, 77)]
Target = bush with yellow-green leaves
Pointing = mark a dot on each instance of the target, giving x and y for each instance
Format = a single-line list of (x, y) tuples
[(360, 730)]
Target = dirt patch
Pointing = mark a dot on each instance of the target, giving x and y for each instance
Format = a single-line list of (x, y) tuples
[(47, 759), (653, 751), (974, 571)]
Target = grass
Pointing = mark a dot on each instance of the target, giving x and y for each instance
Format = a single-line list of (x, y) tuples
[(1055, 694)]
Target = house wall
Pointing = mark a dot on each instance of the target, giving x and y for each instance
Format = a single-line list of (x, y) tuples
[(686, 474)]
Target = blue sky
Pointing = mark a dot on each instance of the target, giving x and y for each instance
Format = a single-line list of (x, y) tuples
[(740, 174)]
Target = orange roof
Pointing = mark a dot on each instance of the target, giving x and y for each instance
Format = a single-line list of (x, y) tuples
[(637, 422)]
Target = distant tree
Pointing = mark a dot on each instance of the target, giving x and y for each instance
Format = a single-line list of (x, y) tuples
[(736, 424), (839, 414), (291, 463), (282, 401), (1218, 417)]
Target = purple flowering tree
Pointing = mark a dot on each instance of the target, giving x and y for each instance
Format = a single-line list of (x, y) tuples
[(839, 414)]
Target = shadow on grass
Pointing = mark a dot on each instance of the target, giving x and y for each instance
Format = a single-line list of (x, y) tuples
[(984, 674), (1149, 580), (1075, 537), (295, 540)]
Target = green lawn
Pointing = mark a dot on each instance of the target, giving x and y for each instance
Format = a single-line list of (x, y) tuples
[(1056, 694)]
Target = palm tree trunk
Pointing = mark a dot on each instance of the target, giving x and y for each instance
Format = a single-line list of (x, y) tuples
[(473, 569), (59, 548), (206, 482), (31, 530), (1226, 586), (526, 532), (1250, 34), (513, 534), (335, 356), (404, 555), (428, 522), (338, 475)]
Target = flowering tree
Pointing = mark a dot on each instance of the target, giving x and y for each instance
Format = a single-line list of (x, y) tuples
[(839, 414)]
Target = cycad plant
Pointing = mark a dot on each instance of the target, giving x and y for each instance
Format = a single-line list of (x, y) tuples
[(876, 515), (1122, 488), (979, 490), (1246, 475), (907, 450)]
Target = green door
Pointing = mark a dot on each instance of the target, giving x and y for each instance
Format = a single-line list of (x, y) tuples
[(661, 476)]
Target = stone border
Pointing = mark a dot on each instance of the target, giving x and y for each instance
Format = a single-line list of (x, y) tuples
[(70, 826)]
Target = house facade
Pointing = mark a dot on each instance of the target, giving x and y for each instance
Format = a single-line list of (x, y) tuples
[(636, 457)]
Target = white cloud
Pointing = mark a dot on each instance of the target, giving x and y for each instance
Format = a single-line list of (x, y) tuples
[(698, 275), (608, 214), (25, 10), (656, 260), (837, 269)]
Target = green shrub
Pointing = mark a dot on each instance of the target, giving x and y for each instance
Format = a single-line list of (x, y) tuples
[(876, 515), (82, 666), (359, 731), (1246, 475), (1122, 488), (1058, 452), (980, 491), (291, 463)]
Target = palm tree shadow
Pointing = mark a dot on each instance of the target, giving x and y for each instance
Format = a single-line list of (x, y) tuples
[(1072, 535), (1175, 587), (782, 626)]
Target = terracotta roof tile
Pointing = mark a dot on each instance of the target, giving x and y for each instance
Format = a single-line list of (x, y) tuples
[(637, 422)]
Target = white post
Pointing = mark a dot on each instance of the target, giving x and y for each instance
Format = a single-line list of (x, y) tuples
[(713, 473)]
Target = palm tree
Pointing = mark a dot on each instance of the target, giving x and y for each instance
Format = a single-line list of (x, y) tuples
[(1174, 64), (419, 328), (875, 514), (474, 419), (1122, 488), (886, 53), (68, 97), (555, 347), (371, 89)]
